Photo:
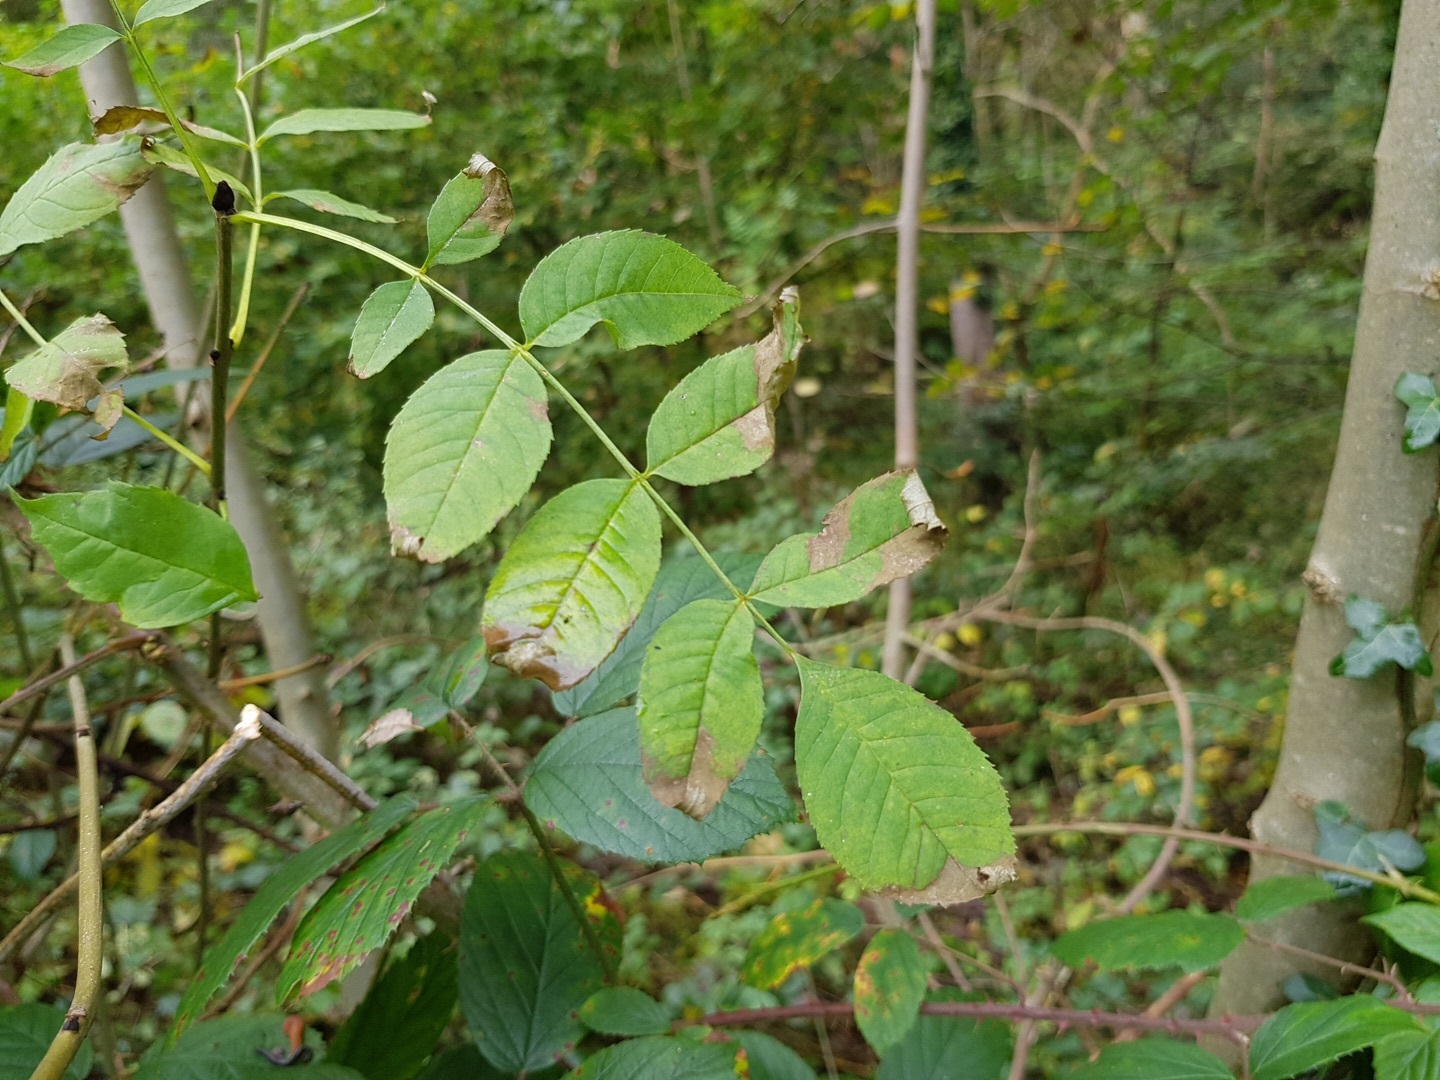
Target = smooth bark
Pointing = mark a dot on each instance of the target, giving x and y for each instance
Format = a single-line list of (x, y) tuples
[(1345, 738), (170, 294)]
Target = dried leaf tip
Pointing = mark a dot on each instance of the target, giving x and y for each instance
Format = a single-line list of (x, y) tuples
[(480, 166), (919, 505)]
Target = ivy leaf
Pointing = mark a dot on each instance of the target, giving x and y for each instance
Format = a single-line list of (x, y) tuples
[(719, 422), (1426, 739), (587, 783), (897, 789), (680, 581), (164, 9), (66, 370), (1379, 642), (463, 451), (701, 704), (1154, 1059), (309, 121), (329, 203), (796, 939), (1276, 895), (883, 530), (392, 318), (623, 1010), (1422, 422), (889, 988), (661, 1058), (526, 966), (1413, 926), (1313, 1033), (573, 581), (361, 911), (471, 215), (1345, 840), (1189, 940), (272, 897), (26, 1032), (165, 561), (69, 48), (80, 183), (647, 290)]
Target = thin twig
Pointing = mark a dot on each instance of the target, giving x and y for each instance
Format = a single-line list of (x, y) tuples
[(946, 954), (267, 677), (314, 762), (17, 614), (1339, 965), (296, 299), (59, 675)]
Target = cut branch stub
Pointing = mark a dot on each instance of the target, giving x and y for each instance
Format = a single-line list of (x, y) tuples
[(719, 422), (883, 530), (66, 370), (701, 704), (897, 790), (573, 581), (471, 214)]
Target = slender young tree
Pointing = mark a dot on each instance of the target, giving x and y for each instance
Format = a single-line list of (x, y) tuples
[(1345, 738)]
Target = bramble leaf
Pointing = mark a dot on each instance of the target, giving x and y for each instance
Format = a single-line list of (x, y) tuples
[(392, 318), (68, 48), (165, 561), (796, 939), (1415, 927), (883, 530), (701, 704), (471, 215), (647, 290), (1310, 1034), (463, 451), (889, 988), (1154, 1059), (1189, 940), (1276, 895), (657, 1057), (719, 421), (897, 789), (623, 1010), (572, 582), (1408, 1055), (78, 184), (934, 1044), (26, 1032)]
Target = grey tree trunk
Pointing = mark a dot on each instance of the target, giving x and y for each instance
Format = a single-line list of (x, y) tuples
[(170, 295), (1345, 739)]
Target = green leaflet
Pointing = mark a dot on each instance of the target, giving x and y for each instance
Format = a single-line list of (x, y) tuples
[(1154, 1059), (80, 183), (307, 39), (1189, 940), (165, 561), (883, 530), (587, 783), (272, 897), (525, 965), (646, 290), (160, 154), (471, 214), (1312, 1033), (26, 1032), (719, 421), (897, 789), (329, 203), (934, 1044), (360, 912), (796, 939), (1414, 926), (573, 581), (66, 370), (1276, 895), (164, 9), (889, 987), (1408, 1055), (69, 48), (463, 451), (770, 1059), (309, 121), (701, 704), (18, 410), (392, 318)]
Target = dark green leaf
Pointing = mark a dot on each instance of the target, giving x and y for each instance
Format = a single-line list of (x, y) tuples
[(272, 897), (573, 581), (26, 1032), (525, 965), (1189, 940), (646, 290), (1345, 840), (936, 1047), (680, 581), (1154, 1059), (889, 987), (1309, 1035), (471, 215), (229, 1049), (165, 561), (623, 1010), (1408, 1055), (897, 789), (770, 1059), (1415, 927), (309, 121), (1277, 895), (587, 783), (464, 450), (660, 1058), (796, 939), (30, 852), (403, 1014), (1426, 739), (465, 1063), (69, 48), (701, 704), (361, 911), (1422, 422), (328, 203), (80, 183), (392, 318)]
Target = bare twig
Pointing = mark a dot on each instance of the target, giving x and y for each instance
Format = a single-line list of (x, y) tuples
[(266, 677), (60, 674), (296, 299), (312, 761), (1339, 965), (946, 954), (1175, 994)]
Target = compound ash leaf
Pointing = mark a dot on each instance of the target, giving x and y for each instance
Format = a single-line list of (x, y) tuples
[(883, 530)]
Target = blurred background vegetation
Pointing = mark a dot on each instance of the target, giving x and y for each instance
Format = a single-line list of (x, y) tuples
[(1177, 356)]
